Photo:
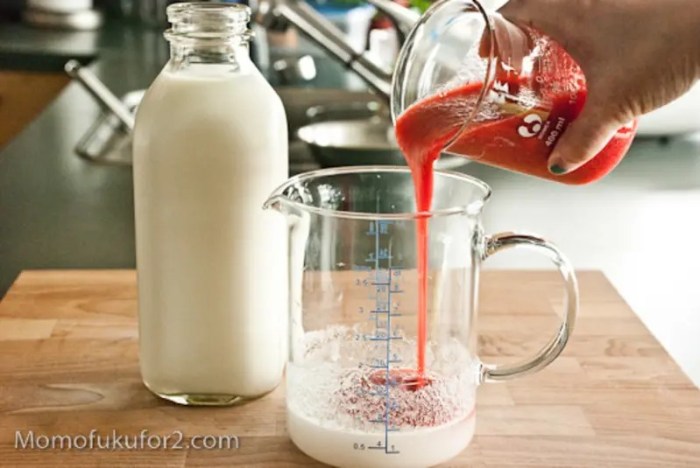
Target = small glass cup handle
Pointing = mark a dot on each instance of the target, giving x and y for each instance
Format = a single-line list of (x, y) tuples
[(500, 242)]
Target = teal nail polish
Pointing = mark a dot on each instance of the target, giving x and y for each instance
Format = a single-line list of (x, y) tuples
[(557, 169)]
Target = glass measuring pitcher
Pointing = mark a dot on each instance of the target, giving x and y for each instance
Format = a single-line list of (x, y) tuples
[(354, 397), (471, 83)]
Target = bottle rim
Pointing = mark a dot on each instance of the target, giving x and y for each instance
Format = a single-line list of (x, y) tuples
[(208, 22)]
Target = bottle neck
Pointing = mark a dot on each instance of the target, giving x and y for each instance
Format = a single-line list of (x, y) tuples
[(208, 34), (184, 54)]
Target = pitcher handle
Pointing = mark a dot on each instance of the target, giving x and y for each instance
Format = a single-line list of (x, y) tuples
[(500, 242)]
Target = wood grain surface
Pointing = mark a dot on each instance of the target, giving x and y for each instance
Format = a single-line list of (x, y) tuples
[(68, 342)]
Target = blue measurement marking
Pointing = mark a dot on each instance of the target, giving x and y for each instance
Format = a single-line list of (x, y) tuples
[(383, 227), (382, 279), (384, 338), (377, 338), (372, 229), (385, 312), (384, 253), (388, 366), (380, 255), (376, 264)]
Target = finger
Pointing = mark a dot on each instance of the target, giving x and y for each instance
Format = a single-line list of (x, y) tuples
[(582, 141)]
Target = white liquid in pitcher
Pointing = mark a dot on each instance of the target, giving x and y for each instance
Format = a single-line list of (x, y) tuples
[(337, 406), (417, 448), (209, 147)]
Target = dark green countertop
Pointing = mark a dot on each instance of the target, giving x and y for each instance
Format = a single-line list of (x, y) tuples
[(26, 48)]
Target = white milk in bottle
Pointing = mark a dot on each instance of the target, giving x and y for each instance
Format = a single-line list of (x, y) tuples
[(210, 144)]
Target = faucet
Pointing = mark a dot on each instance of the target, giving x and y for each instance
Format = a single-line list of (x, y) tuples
[(278, 15)]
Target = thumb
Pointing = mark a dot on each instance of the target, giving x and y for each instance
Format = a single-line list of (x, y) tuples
[(583, 140)]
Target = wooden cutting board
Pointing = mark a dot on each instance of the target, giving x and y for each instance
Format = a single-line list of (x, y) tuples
[(68, 348)]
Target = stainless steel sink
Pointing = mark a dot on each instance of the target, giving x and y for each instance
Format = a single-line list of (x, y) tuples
[(107, 141)]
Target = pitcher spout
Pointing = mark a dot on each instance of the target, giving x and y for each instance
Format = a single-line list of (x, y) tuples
[(274, 202), (282, 204)]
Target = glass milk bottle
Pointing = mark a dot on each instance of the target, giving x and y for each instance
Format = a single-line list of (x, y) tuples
[(210, 144)]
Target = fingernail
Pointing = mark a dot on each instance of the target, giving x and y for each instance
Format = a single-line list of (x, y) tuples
[(556, 169)]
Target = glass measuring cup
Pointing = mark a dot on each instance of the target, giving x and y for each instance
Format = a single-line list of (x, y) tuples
[(469, 82), (353, 395)]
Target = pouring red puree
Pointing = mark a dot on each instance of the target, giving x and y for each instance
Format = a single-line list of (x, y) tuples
[(515, 138)]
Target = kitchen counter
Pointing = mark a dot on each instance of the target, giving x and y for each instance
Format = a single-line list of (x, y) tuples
[(639, 225), (27, 48), (613, 398)]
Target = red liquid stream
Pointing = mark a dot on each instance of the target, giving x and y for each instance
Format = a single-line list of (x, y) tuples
[(423, 180), (512, 138), (422, 171)]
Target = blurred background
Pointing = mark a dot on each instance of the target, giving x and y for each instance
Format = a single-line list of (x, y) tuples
[(65, 170)]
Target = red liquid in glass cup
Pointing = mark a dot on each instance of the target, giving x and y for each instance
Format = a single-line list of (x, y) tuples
[(505, 131), (520, 118), (520, 141)]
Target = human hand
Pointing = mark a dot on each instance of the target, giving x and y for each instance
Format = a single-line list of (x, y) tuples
[(637, 55)]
